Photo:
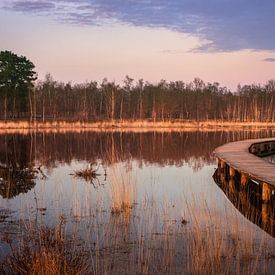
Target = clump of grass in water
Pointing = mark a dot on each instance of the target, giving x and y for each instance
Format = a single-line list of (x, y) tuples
[(89, 173), (45, 251), (122, 192)]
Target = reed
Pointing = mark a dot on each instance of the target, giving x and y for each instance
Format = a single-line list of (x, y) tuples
[(46, 251), (147, 237), (137, 125), (122, 191), (88, 174)]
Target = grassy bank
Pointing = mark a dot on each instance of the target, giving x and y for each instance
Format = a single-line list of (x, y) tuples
[(127, 125)]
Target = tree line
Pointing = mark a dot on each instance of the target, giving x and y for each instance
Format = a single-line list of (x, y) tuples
[(51, 100)]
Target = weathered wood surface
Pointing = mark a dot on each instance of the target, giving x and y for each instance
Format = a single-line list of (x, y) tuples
[(237, 156)]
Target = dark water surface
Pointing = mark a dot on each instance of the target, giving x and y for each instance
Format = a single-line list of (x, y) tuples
[(167, 178)]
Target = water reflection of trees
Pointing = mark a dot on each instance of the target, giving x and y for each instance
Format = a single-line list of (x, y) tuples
[(167, 148), (14, 182), (16, 165), (19, 153)]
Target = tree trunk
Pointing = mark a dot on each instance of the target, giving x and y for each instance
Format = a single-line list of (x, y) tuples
[(121, 107), (112, 105), (43, 110), (30, 103), (5, 107)]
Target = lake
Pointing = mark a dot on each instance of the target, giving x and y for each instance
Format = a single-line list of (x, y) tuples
[(151, 204)]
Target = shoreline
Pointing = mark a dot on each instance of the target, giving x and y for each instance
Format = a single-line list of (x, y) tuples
[(132, 126)]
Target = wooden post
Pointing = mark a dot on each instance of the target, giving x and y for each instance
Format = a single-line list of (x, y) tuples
[(222, 177), (244, 179), (243, 199), (265, 215), (221, 164), (266, 193), (231, 184), (231, 172)]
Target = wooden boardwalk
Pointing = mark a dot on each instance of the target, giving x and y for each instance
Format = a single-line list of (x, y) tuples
[(238, 156)]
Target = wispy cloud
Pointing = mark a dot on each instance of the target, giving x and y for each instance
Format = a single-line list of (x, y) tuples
[(227, 25), (176, 51), (269, 59), (32, 6)]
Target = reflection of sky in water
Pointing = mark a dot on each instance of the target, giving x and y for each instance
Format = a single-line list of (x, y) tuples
[(166, 192), (186, 192)]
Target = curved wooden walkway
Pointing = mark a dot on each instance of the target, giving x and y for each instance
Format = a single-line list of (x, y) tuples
[(244, 157), (238, 155)]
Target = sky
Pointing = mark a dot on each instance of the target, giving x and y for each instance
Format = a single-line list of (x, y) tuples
[(227, 41)]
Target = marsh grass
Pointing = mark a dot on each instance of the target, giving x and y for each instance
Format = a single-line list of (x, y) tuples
[(148, 239), (89, 173), (146, 236), (137, 242), (122, 191), (45, 251), (130, 125)]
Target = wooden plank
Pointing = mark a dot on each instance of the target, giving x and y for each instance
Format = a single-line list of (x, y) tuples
[(237, 156)]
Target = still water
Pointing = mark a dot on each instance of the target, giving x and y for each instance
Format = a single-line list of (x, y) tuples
[(164, 180)]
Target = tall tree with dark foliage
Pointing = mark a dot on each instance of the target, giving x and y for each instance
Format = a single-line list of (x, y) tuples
[(16, 82)]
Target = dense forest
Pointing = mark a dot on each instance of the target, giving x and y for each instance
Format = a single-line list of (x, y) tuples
[(50, 100)]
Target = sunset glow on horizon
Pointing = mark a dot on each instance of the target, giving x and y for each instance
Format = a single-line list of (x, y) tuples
[(88, 40)]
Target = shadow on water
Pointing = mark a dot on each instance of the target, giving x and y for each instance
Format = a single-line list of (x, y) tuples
[(247, 200)]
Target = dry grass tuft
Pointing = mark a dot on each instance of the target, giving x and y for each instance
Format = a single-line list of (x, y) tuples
[(45, 251), (122, 192), (88, 173), (130, 125)]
